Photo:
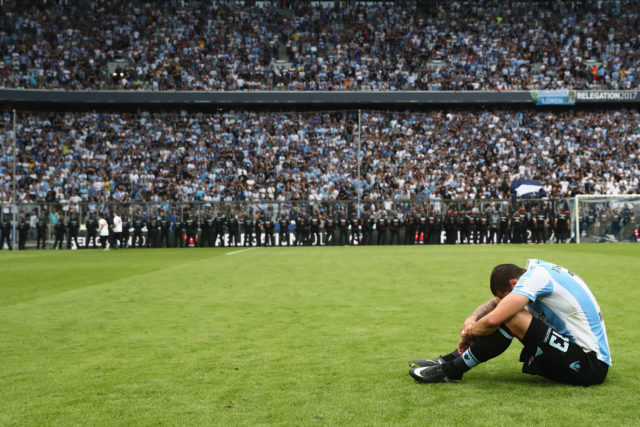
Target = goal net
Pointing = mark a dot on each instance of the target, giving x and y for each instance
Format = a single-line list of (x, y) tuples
[(611, 218)]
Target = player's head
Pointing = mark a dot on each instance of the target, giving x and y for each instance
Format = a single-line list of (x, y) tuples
[(504, 278)]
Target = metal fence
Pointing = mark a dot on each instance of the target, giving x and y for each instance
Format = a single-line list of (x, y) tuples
[(201, 209), (302, 222)]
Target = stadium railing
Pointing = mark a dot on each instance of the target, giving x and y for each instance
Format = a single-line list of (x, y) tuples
[(274, 210)]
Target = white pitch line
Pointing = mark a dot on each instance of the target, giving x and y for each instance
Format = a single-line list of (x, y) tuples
[(240, 251)]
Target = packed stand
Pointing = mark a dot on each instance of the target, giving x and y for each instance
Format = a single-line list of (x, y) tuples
[(248, 156), (400, 45)]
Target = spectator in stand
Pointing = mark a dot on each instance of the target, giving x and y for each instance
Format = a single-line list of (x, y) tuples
[(238, 156), (399, 45)]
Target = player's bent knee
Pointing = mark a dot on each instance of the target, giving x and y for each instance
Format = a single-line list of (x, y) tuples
[(519, 324)]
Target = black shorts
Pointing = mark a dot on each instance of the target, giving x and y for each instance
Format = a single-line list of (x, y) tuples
[(549, 354)]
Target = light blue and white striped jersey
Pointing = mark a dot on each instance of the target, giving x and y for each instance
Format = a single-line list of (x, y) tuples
[(566, 303)]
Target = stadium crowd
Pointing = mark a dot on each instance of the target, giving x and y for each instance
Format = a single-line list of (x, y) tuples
[(244, 156), (248, 177), (399, 45)]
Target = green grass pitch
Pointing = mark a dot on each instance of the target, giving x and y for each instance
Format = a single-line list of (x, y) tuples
[(288, 336)]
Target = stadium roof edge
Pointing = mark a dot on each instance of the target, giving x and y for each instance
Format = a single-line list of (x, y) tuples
[(38, 99)]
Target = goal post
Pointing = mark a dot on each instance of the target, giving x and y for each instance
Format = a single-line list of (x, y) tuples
[(607, 218)]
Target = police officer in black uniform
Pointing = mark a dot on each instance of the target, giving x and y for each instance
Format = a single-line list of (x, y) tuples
[(467, 227), (314, 227), (178, 232), (505, 225), (92, 231), (259, 227), (191, 228), (221, 228), (381, 228), (301, 228), (516, 227), (423, 232), (246, 224), (330, 230), (343, 228), (73, 227), (283, 233), (233, 225), (59, 230), (5, 232), (475, 232), (124, 236), (23, 231), (152, 230), (483, 227), (269, 229), (306, 230), (42, 229), (494, 225), (563, 226), (551, 229), (434, 228), (395, 226), (366, 226), (556, 224), (472, 227), (524, 220), (567, 227), (355, 229), (165, 226), (450, 228), (138, 225), (436, 236), (410, 227), (530, 229), (540, 224), (215, 229), (459, 224), (206, 225)]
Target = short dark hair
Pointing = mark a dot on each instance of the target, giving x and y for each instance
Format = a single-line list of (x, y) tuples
[(502, 274)]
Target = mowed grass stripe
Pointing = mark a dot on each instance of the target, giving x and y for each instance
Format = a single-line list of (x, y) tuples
[(32, 274)]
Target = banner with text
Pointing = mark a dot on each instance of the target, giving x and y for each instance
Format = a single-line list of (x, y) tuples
[(599, 96), (554, 97)]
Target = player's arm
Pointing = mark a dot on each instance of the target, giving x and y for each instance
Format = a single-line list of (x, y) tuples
[(481, 311), (485, 308), (505, 310)]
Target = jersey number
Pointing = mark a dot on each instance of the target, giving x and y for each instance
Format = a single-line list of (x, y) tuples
[(558, 341)]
